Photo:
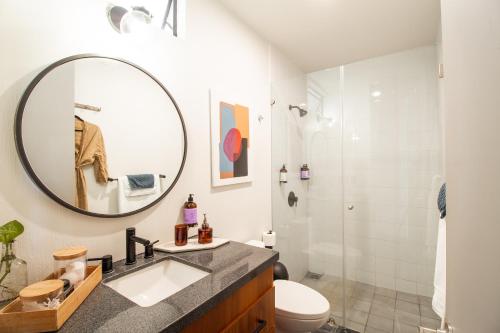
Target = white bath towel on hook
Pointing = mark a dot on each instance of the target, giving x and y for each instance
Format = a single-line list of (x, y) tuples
[(439, 298)]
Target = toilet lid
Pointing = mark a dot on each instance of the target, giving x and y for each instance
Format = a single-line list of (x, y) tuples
[(298, 301)]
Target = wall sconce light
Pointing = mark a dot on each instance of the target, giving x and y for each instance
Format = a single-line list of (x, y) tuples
[(139, 19), (127, 21)]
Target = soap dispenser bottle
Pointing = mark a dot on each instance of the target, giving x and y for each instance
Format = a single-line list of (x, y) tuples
[(304, 172), (283, 175), (205, 232), (190, 212)]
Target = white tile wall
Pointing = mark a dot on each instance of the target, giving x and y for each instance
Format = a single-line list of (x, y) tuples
[(290, 223), (325, 204)]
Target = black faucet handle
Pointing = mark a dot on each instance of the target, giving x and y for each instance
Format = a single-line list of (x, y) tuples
[(140, 240), (107, 263), (149, 250)]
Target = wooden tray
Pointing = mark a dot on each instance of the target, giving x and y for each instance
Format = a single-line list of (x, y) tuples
[(13, 319)]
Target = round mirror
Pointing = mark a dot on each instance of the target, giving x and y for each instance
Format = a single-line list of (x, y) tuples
[(100, 136)]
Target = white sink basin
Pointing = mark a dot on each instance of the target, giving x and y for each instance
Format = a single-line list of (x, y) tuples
[(152, 284)]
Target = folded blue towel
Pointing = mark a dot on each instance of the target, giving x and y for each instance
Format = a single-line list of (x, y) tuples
[(141, 181)]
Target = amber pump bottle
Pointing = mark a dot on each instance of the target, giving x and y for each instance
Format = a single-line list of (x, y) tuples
[(190, 212), (190, 220), (205, 232)]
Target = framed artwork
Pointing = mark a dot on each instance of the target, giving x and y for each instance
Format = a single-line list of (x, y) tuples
[(231, 138)]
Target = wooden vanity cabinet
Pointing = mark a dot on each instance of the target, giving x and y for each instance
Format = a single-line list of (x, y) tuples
[(249, 309)]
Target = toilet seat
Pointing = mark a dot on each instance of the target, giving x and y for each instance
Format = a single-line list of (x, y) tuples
[(297, 301)]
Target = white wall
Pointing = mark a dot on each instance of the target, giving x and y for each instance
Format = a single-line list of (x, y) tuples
[(471, 50), (218, 52), (288, 86)]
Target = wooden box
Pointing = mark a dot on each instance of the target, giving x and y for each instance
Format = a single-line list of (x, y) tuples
[(13, 319)]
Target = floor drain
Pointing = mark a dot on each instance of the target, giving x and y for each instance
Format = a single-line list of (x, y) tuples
[(314, 276)]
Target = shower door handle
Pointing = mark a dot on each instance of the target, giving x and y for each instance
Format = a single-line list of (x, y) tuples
[(350, 207)]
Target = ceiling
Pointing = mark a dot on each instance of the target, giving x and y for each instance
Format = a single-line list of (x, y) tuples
[(318, 34)]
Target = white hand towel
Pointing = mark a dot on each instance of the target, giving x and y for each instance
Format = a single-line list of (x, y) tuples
[(131, 192), (439, 298), (128, 201)]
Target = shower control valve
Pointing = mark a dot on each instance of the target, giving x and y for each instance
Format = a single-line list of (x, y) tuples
[(292, 199)]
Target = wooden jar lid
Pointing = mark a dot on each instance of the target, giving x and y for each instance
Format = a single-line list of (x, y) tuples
[(42, 290), (70, 253)]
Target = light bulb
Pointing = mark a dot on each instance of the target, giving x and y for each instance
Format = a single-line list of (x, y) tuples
[(135, 21)]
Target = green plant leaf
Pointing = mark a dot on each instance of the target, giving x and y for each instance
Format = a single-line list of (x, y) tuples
[(10, 230)]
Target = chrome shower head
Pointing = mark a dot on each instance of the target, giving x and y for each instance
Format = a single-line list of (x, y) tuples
[(302, 111)]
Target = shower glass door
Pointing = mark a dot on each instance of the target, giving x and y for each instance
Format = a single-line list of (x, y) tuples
[(392, 172), (363, 232)]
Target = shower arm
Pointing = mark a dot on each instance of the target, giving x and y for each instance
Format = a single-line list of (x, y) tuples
[(302, 111)]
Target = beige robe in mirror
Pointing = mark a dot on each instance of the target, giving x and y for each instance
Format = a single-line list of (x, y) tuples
[(89, 150)]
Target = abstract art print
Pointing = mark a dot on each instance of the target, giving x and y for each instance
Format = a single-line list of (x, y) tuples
[(231, 142)]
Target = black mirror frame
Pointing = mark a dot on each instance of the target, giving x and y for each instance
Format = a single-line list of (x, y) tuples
[(24, 158)]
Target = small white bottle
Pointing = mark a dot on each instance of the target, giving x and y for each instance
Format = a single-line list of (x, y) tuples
[(283, 175)]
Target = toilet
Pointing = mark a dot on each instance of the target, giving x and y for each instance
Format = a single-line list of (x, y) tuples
[(299, 309)]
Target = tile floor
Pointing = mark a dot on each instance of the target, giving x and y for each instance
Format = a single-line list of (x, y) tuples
[(372, 309)]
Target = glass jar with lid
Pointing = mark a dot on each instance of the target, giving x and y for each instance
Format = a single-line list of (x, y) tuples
[(71, 264), (42, 295)]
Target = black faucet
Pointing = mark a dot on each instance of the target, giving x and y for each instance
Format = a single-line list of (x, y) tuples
[(130, 241)]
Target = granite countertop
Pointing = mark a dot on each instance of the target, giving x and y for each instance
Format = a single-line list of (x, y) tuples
[(230, 266)]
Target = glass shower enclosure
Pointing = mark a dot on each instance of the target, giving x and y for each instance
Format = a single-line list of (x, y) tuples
[(364, 230)]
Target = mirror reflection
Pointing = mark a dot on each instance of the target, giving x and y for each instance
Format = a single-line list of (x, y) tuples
[(102, 136)]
